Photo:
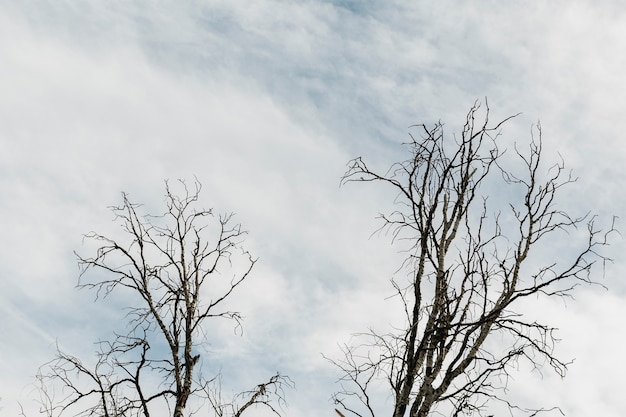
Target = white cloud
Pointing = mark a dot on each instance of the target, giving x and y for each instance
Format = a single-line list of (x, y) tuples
[(265, 103)]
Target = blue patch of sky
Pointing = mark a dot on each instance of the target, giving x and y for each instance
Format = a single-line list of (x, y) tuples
[(354, 6)]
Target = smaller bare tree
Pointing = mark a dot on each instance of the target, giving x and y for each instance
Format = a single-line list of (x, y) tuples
[(181, 268), (474, 259)]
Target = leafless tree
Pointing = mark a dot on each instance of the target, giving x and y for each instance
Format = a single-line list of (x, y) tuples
[(474, 263), (181, 268)]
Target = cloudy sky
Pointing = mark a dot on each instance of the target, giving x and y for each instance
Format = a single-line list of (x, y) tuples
[(265, 102)]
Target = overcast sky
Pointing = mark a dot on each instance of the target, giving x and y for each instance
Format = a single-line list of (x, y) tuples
[(265, 102)]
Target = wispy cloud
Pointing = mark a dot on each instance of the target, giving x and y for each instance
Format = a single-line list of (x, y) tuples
[(265, 102)]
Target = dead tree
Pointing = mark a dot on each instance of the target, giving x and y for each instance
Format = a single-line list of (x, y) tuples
[(180, 269), (472, 261)]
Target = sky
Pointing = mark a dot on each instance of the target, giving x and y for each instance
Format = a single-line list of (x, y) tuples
[(264, 103)]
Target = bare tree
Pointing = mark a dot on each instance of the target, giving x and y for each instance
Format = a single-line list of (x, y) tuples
[(181, 268), (473, 262)]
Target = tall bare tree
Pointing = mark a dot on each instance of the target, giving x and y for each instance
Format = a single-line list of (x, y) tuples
[(180, 268), (473, 261)]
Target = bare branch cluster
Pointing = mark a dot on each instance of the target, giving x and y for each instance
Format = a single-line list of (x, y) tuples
[(263, 394), (181, 267), (469, 266)]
